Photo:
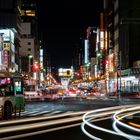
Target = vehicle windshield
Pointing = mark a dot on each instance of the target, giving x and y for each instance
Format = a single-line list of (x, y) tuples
[(6, 87)]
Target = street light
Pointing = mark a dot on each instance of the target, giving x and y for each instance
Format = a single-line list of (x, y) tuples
[(30, 57)]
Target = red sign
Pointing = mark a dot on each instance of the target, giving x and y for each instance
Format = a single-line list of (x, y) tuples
[(5, 58)]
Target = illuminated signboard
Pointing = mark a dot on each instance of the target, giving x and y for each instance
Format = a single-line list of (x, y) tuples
[(6, 46), (97, 39), (4, 81), (13, 54), (5, 54), (101, 40), (41, 58), (86, 52), (8, 35), (65, 72)]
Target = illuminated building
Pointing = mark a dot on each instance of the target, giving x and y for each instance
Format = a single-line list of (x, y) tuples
[(78, 59), (9, 29), (65, 76), (122, 25), (91, 35), (29, 35)]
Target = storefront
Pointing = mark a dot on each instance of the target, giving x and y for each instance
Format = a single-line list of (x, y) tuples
[(130, 81)]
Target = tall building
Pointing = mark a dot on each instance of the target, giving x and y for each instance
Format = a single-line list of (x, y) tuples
[(91, 37), (9, 30), (29, 41), (122, 25), (126, 33), (77, 57)]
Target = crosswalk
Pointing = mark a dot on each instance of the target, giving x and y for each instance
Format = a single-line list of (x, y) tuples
[(38, 113)]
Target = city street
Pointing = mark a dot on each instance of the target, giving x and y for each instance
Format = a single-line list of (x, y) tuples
[(60, 106), (69, 70), (68, 104), (76, 105), (62, 119)]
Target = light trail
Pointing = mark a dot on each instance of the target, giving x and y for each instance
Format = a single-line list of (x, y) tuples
[(38, 119), (117, 121), (39, 132), (17, 136), (93, 115), (37, 125), (134, 124), (124, 124), (34, 126), (128, 136)]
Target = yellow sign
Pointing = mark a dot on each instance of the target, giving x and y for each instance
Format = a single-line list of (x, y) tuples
[(6, 46)]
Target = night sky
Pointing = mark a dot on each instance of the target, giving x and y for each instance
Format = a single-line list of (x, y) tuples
[(63, 23)]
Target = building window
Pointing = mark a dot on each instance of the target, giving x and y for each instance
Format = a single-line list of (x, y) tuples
[(29, 49), (29, 43)]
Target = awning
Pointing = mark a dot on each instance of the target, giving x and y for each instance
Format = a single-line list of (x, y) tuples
[(130, 71)]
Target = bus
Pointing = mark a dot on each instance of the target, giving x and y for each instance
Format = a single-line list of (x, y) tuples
[(11, 94)]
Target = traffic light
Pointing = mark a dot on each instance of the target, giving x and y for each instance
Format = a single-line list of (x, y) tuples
[(106, 61), (36, 67)]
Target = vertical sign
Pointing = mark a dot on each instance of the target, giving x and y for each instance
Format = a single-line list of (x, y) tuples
[(86, 52), (5, 54)]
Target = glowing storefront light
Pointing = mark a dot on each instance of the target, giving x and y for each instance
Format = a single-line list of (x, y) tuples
[(97, 39), (96, 71), (41, 52), (129, 78), (98, 54), (86, 52), (111, 62), (12, 55), (41, 64), (28, 13), (41, 76), (41, 58), (106, 40), (102, 40), (35, 76)]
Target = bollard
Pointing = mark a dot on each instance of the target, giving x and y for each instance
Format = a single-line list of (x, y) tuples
[(15, 113), (20, 111), (2, 113)]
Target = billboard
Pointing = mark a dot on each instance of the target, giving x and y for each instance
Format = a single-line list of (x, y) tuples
[(65, 72), (8, 35), (86, 52)]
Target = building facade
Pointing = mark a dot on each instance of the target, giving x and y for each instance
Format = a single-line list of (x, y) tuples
[(122, 25), (9, 30)]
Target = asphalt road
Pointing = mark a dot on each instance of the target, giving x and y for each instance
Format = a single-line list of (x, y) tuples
[(69, 104), (38, 108), (76, 133), (75, 104)]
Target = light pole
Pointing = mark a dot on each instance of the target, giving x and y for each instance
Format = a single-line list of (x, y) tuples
[(30, 57)]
